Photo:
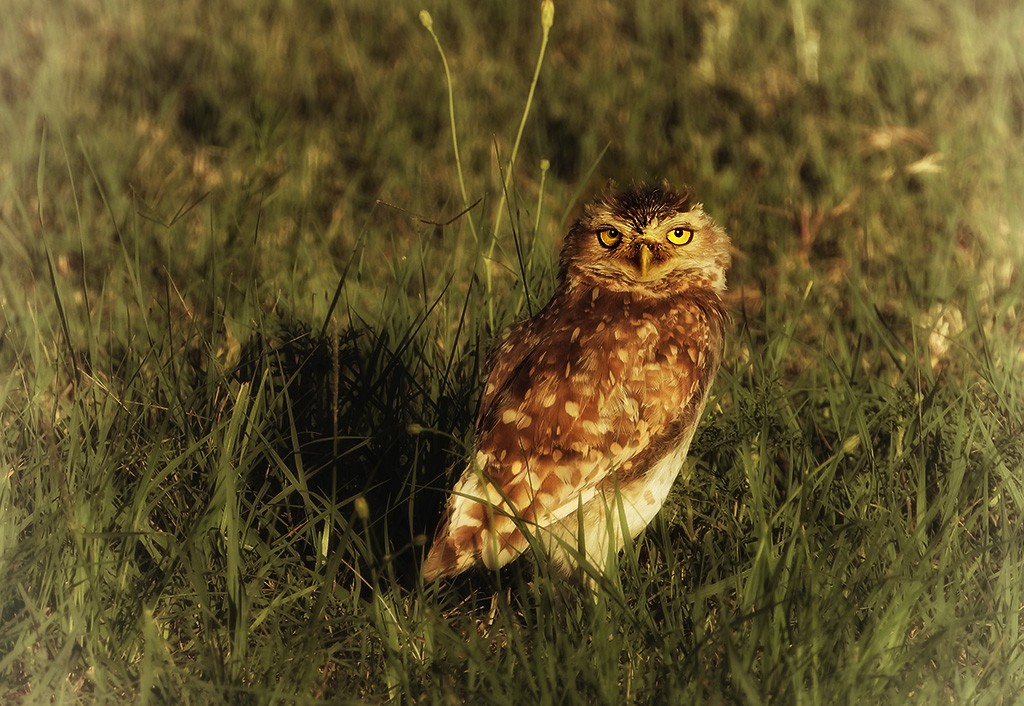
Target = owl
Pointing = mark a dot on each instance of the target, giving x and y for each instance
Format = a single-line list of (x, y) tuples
[(589, 407)]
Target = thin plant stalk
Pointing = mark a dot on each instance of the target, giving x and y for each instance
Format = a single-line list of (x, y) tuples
[(547, 19), (428, 23)]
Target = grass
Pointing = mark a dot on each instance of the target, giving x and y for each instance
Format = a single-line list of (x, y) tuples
[(234, 384)]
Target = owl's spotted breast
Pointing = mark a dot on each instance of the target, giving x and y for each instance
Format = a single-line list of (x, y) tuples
[(591, 403), (583, 374)]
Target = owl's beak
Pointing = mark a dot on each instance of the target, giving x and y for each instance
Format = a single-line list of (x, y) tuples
[(643, 260)]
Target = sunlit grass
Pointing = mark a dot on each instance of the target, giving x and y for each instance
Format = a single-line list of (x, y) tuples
[(235, 378)]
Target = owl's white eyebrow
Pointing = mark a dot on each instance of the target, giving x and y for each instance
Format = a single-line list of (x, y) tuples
[(679, 221), (612, 223)]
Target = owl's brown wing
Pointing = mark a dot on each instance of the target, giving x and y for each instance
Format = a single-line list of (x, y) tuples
[(570, 407)]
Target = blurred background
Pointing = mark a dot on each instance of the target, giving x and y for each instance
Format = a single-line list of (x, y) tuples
[(263, 136), (247, 285)]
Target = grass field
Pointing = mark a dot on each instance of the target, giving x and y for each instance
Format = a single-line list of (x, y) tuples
[(242, 328)]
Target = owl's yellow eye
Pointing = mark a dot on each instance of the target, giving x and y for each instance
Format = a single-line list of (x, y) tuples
[(680, 236), (609, 237)]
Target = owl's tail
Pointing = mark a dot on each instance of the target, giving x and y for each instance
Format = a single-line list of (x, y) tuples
[(444, 559), (472, 531)]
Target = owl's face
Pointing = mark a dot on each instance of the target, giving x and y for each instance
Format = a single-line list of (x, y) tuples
[(646, 238)]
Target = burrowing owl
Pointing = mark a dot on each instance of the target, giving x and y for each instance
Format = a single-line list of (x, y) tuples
[(589, 407)]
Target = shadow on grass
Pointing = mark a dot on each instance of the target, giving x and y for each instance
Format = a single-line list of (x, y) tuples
[(367, 434)]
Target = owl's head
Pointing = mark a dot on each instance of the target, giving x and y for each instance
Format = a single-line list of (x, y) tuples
[(646, 238)]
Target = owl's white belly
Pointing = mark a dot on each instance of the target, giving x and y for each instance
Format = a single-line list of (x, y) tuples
[(599, 532), (643, 498)]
